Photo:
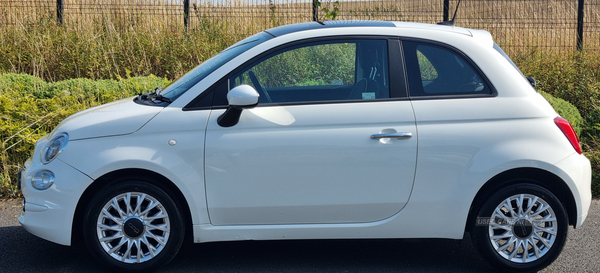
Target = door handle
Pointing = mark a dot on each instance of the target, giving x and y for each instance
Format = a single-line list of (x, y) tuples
[(392, 135)]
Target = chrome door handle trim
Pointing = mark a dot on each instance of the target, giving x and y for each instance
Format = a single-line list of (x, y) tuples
[(393, 135)]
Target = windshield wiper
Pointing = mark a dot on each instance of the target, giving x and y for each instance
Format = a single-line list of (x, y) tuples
[(158, 96), (153, 97)]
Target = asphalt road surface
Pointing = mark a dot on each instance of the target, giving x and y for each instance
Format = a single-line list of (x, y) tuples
[(23, 252)]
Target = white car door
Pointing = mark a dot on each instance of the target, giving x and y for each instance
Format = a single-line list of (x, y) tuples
[(326, 143)]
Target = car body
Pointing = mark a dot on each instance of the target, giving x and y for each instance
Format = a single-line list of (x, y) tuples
[(341, 129)]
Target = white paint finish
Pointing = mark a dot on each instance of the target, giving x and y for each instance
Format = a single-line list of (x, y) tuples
[(242, 95), (576, 171), (435, 210), (55, 222), (148, 149), (30, 207), (432, 27), (115, 118), (321, 168), (465, 142), (480, 133)]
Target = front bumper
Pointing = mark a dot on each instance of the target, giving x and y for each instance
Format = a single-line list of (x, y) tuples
[(49, 214)]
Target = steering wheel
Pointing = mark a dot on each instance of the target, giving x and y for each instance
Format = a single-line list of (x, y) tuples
[(261, 91)]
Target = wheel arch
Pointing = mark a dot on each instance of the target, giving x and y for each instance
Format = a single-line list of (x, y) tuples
[(536, 176), (155, 178)]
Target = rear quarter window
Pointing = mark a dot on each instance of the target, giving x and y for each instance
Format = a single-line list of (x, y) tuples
[(437, 70)]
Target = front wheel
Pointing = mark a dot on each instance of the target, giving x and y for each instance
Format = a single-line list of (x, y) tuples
[(133, 225), (521, 227)]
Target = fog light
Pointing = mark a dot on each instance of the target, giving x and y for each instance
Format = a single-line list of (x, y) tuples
[(42, 180)]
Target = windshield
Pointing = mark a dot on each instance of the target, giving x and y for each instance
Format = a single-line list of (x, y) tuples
[(177, 88)]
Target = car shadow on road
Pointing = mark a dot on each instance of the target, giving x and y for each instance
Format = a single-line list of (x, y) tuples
[(23, 252), (423, 255)]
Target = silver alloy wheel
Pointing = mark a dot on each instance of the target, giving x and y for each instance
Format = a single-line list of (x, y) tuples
[(523, 228), (133, 227)]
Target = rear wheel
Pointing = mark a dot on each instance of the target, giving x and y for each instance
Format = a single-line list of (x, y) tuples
[(522, 227), (133, 225)]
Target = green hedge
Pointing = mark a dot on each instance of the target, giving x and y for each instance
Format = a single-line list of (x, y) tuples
[(574, 78), (565, 110), (591, 140), (31, 108)]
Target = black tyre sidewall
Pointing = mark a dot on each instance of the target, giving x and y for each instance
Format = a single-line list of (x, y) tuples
[(480, 234), (94, 209)]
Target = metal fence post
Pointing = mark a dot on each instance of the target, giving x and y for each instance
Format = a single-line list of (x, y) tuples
[(186, 14), (580, 25), (446, 8), (315, 10), (59, 11)]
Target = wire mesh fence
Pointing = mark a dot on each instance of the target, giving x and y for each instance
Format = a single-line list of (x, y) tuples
[(519, 24), (516, 25), (591, 25)]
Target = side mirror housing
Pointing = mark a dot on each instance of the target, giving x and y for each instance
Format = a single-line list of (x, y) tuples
[(532, 81), (243, 96), (240, 97)]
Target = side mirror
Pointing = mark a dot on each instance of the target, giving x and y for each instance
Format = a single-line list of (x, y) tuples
[(240, 97), (532, 81)]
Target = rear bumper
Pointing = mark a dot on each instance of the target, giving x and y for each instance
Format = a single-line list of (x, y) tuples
[(578, 176)]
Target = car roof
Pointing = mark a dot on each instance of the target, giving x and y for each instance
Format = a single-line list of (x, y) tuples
[(287, 29)]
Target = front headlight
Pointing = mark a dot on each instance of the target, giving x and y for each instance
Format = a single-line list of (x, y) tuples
[(54, 147)]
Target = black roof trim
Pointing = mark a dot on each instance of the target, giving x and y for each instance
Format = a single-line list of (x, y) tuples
[(287, 29)]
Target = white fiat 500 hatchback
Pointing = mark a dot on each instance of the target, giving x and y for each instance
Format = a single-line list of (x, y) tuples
[(343, 129)]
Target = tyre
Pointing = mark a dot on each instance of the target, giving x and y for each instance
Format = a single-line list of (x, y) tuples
[(133, 225), (521, 227)]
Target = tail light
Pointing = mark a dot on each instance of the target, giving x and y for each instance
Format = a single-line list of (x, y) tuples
[(567, 129)]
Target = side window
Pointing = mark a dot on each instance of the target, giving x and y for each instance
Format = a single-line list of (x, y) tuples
[(321, 71), (434, 70), (428, 72)]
